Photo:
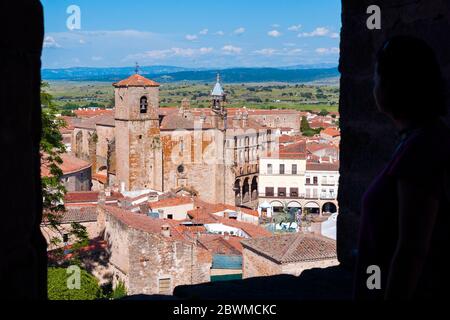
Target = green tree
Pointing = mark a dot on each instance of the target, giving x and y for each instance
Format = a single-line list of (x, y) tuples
[(58, 288), (53, 190), (119, 291), (324, 113)]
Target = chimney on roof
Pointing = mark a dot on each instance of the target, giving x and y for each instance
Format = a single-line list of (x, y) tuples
[(226, 215), (165, 231), (102, 198), (108, 192), (245, 119), (236, 119), (226, 236)]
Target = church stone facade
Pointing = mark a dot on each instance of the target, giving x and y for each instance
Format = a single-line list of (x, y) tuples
[(139, 146)]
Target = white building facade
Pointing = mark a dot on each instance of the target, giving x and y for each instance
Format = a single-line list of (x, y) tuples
[(289, 181)]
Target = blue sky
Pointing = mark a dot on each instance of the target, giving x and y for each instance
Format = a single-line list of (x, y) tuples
[(194, 33)]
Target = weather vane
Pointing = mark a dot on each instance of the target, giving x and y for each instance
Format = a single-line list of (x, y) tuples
[(137, 68)]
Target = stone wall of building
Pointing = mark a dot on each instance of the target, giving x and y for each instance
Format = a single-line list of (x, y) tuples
[(105, 135), (279, 120), (78, 181), (51, 233), (368, 138), (153, 259), (116, 234), (254, 265)]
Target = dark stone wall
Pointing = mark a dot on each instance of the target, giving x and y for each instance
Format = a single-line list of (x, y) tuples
[(368, 138), (23, 262)]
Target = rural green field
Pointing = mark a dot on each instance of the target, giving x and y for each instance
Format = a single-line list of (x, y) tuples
[(313, 97)]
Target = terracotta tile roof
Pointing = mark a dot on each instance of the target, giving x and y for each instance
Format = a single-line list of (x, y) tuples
[(89, 197), (144, 223), (202, 216), (136, 80), (90, 113), (322, 166), (289, 139), (292, 151), (171, 202), (209, 208), (314, 147), (333, 132), (79, 215), (176, 120), (91, 123), (102, 178), (319, 124), (70, 165), (217, 244), (293, 248)]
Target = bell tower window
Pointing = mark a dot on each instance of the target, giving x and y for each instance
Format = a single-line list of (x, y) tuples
[(144, 105)]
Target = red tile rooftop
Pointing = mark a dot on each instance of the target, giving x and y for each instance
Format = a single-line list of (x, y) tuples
[(144, 223), (218, 244), (293, 248), (102, 178), (89, 197), (90, 113), (136, 80), (70, 165), (333, 132), (322, 166), (171, 202)]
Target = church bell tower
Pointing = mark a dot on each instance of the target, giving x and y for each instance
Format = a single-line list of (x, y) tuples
[(137, 134)]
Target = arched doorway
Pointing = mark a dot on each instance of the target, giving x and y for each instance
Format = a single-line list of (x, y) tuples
[(254, 188), (329, 208), (246, 191), (237, 192), (312, 208), (277, 207)]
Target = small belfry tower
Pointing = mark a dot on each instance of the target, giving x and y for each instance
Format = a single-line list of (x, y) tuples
[(218, 103), (137, 134)]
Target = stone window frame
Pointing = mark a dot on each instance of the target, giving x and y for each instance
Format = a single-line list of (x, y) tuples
[(141, 109), (162, 278)]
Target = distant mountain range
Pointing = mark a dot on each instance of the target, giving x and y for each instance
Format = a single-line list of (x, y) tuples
[(165, 74)]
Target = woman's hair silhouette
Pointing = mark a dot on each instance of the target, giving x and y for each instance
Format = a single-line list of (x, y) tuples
[(410, 79)]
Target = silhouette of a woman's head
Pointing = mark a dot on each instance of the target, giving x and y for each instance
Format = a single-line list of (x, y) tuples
[(408, 81)]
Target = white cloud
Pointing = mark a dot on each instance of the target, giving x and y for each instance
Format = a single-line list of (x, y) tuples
[(191, 37), (274, 33), (293, 52), (276, 26), (274, 52), (168, 53), (239, 31), (82, 41), (50, 42), (318, 32), (266, 52), (323, 51), (230, 49), (96, 58), (220, 33), (334, 35), (123, 33), (204, 32), (206, 50), (289, 44), (295, 28)]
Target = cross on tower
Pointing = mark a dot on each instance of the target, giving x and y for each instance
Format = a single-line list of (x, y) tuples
[(137, 68)]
